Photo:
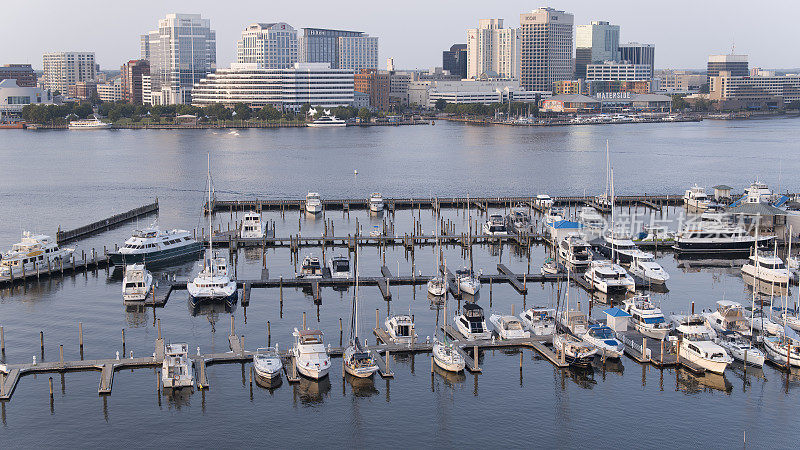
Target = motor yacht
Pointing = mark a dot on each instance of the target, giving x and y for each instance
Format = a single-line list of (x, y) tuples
[(543, 201), (376, 202), (153, 246), (696, 199), (694, 324), (575, 252), (339, 266), (712, 237), (176, 369), (646, 318), (212, 282), (593, 223), (310, 268), (35, 252), (400, 329), (768, 268), (740, 348), (576, 352), (467, 281), (729, 317), (313, 203), (608, 278), (518, 221), (136, 283), (508, 327), (88, 124), (645, 267), (654, 234), (553, 215), (471, 322), (327, 121), (252, 226), (540, 321), (619, 247), (310, 356), (495, 226), (603, 338), (704, 352), (267, 363)]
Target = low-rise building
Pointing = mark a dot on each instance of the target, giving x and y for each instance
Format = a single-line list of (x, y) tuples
[(110, 92), (14, 97), (752, 92), (23, 73), (476, 91), (376, 84), (570, 103), (618, 71)]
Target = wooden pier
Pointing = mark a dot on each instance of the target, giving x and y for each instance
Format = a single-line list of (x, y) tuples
[(647, 350), (104, 224)]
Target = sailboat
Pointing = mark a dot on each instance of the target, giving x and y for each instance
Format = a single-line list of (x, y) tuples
[(576, 352), (212, 282), (466, 279), (358, 361), (437, 286), (445, 355)]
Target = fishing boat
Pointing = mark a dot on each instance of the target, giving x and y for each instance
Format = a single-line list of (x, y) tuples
[(603, 338), (310, 268), (471, 322), (646, 318), (467, 281), (608, 278), (313, 203), (740, 349), (695, 198), (357, 359), (267, 363), (88, 124), (400, 328), (339, 266), (136, 283), (495, 226), (508, 327), (549, 267), (729, 317), (518, 221), (645, 267), (539, 320), (445, 356), (576, 352), (310, 357), (376, 202), (252, 226), (35, 252), (176, 369), (575, 252)]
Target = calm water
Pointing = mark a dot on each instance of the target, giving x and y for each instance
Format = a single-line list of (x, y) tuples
[(59, 178)]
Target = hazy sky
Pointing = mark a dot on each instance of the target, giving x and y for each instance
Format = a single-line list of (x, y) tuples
[(414, 32)]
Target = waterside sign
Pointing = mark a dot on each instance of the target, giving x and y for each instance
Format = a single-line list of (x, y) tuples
[(613, 95)]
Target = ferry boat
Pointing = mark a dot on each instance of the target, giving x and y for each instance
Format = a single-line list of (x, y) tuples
[(646, 318), (608, 278), (696, 198), (400, 329), (576, 352), (467, 281), (645, 267), (495, 226), (376, 202), (519, 221), (88, 124), (35, 252), (310, 356), (136, 283), (603, 338), (327, 121), (767, 268), (508, 327), (712, 237), (575, 251), (471, 322), (154, 246), (741, 349), (339, 266), (212, 281), (176, 369), (252, 226), (539, 320), (310, 268), (267, 363), (313, 203), (729, 317)]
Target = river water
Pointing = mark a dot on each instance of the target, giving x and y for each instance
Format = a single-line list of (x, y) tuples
[(53, 179)]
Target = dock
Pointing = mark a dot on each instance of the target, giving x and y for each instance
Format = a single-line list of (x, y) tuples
[(104, 224), (647, 350)]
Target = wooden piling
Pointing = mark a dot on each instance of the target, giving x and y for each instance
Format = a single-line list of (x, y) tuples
[(51, 388), (41, 340), (80, 333), (269, 334), (2, 340), (340, 331), (304, 320), (231, 333), (159, 328), (123, 338), (61, 353), (376, 317)]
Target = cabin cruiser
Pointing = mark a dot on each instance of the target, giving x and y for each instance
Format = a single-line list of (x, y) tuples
[(694, 324), (358, 361), (508, 327), (88, 124), (33, 253), (553, 215), (400, 329), (446, 357), (519, 221), (539, 320), (646, 318), (495, 226), (779, 351), (252, 226), (603, 338), (704, 352), (310, 356), (767, 268), (327, 121), (467, 281), (575, 252), (340, 266), (176, 369), (740, 348), (376, 202), (593, 223), (758, 192), (618, 246), (153, 246), (608, 278), (267, 363), (313, 203), (136, 283), (212, 282), (712, 237), (471, 322), (696, 198), (645, 267), (729, 317), (574, 321), (576, 352), (654, 234), (311, 268), (543, 201)]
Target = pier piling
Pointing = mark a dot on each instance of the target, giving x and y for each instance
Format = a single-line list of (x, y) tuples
[(80, 334)]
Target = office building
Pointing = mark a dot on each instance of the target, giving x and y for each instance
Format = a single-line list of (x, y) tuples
[(735, 64), (14, 97), (636, 53), (64, 69), (752, 92), (398, 87), (680, 81), (110, 92), (358, 53), (546, 48), (426, 93), (376, 84), (314, 83), (147, 91), (320, 45), (595, 43), (181, 52), (83, 90), (455, 60), (618, 71), (268, 45), (493, 51), (23, 73), (132, 73)]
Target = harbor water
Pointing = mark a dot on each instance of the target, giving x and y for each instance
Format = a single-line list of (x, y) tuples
[(65, 179)]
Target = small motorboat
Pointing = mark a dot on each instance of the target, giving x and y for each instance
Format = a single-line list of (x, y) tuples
[(176, 369), (339, 266), (508, 327), (519, 221), (310, 268), (729, 316), (603, 338), (471, 322), (701, 350), (539, 320), (310, 356), (495, 226), (550, 267), (645, 267), (267, 363), (576, 352), (137, 283), (400, 329)]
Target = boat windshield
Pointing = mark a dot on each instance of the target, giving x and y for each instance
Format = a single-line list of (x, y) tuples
[(602, 333), (654, 320)]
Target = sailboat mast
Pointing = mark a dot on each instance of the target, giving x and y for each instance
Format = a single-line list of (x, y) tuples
[(210, 212), (612, 215)]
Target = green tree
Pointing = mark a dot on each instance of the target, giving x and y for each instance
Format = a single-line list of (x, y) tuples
[(364, 115), (679, 103), (304, 109), (441, 104)]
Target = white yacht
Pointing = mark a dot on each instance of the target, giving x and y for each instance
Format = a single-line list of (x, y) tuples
[(693, 324), (136, 283), (779, 351), (153, 246), (701, 350), (791, 320), (576, 352), (267, 363), (446, 357), (645, 267), (539, 320), (508, 327), (729, 317), (767, 268), (310, 356), (339, 266), (252, 226), (575, 251), (593, 223), (543, 201), (762, 323), (376, 202), (550, 266), (619, 247), (608, 278), (603, 338), (740, 348), (471, 322), (646, 318), (518, 221), (495, 226), (655, 234), (313, 203), (715, 237), (212, 281), (34, 252), (88, 124), (758, 192), (400, 329), (310, 268), (553, 215), (467, 281), (176, 369), (327, 121), (696, 198), (437, 286)]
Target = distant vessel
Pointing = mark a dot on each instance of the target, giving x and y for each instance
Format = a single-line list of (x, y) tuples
[(376, 202), (176, 369), (327, 121), (543, 201), (313, 203), (34, 252), (136, 283), (695, 198), (519, 221), (252, 226), (88, 124), (153, 246)]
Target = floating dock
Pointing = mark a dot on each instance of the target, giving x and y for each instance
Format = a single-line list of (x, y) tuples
[(105, 224)]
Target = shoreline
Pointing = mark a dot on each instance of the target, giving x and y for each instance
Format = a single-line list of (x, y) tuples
[(214, 126)]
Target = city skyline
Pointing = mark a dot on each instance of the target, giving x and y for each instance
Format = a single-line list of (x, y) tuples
[(706, 30)]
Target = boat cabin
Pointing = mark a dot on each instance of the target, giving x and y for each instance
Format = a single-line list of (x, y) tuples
[(472, 317), (309, 337)]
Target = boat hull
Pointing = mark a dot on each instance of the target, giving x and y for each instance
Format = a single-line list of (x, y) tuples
[(230, 299), (159, 257), (312, 372)]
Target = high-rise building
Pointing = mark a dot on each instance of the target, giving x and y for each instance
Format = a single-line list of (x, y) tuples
[(181, 52), (493, 51), (64, 69), (546, 50), (320, 45), (132, 73), (23, 73), (636, 53), (618, 71), (595, 43), (358, 53), (268, 45), (375, 84), (455, 60), (735, 64)]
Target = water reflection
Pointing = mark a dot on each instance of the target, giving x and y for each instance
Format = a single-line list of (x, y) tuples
[(690, 383), (362, 387), (269, 384), (451, 379), (312, 392), (137, 315), (178, 398)]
